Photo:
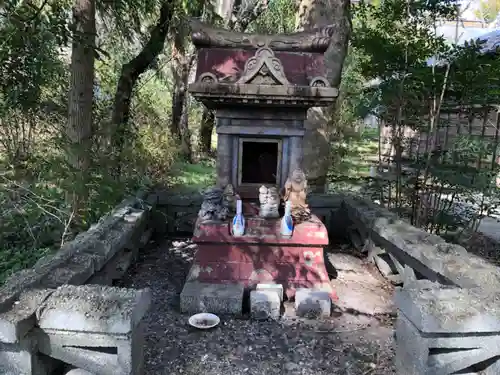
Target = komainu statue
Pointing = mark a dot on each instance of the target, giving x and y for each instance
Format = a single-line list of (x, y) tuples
[(295, 191)]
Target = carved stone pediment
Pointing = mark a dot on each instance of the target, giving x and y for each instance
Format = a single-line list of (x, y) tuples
[(263, 69)]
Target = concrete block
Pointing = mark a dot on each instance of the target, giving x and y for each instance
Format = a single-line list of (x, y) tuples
[(384, 264), (76, 271), (436, 308), (79, 371), (419, 353), (96, 352), (115, 268), (94, 308), (278, 288), (411, 349), (23, 359), (15, 285), (312, 302), (214, 298), (264, 304), (20, 319)]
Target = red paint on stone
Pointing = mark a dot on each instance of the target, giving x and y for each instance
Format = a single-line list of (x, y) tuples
[(300, 67), (262, 255)]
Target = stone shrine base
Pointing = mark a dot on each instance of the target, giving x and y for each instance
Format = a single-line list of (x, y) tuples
[(225, 266)]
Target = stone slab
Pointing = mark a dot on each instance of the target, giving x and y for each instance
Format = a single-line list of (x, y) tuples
[(94, 308), (427, 251), (23, 359), (277, 288), (420, 353), (265, 304), (312, 302), (432, 307), (20, 319), (385, 264), (79, 371), (214, 298), (15, 285)]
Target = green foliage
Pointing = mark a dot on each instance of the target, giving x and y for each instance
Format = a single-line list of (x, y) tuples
[(487, 10), (391, 45), (35, 178), (279, 17)]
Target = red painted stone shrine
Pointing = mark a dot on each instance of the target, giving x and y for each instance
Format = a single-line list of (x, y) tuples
[(260, 87)]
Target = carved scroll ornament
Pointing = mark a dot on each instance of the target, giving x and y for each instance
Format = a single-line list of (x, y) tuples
[(263, 69), (316, 40), (319, 82), (207, 78)]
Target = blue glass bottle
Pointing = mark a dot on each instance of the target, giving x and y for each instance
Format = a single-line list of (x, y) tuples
[(286, 228), (238, 220)]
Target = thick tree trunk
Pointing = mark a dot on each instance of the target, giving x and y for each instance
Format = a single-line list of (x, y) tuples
[(79, 129), (130, 74), (206, 129), (321, 122), (183, 62)]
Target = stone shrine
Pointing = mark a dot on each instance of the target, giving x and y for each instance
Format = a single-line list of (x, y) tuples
[(260, 87)]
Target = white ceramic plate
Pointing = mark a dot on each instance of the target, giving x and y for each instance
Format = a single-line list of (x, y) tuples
[(204, 320)]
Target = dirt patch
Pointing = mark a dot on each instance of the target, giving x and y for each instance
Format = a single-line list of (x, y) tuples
[(348, 344)]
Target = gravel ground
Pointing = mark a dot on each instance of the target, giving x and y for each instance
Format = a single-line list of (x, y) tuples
[(343, 344)]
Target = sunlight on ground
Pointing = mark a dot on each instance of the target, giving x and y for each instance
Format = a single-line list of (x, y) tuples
[(356, 154), (193, 176)]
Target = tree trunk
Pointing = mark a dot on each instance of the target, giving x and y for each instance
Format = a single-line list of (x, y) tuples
[(81, 94), (130, 74), (237, 18), (183, 62), (206, 129), (321, 122)]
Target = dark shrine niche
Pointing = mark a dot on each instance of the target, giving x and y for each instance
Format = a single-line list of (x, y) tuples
[(259, 161), (260, 87)]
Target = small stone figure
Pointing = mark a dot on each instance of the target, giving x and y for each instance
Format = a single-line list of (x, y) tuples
[(213, 207), (269, 202), (295, 192), (229, 199)]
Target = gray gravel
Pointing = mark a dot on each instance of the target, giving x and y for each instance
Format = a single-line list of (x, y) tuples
[(344, 344)]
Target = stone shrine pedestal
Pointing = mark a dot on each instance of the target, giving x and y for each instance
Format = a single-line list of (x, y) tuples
[(261, 255)]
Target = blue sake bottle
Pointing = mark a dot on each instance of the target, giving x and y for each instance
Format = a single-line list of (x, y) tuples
[(287, 221), (238, 220)]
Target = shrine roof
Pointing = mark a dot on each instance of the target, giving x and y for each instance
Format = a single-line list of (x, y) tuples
[(316, 40)]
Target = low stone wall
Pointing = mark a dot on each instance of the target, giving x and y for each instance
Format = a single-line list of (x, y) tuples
[(448, 306), (48, 318)]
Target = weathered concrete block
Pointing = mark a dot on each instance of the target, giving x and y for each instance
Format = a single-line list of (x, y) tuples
[(99, 353), (94, 308), (15, 285), (277, 288), (435, 308), (264, 304), (385, 264), (22, 359), (312, 302), (411, 350), (214, 298), (420, 353), (115, 268), (76, 271), (20, 319), (79, 371)]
